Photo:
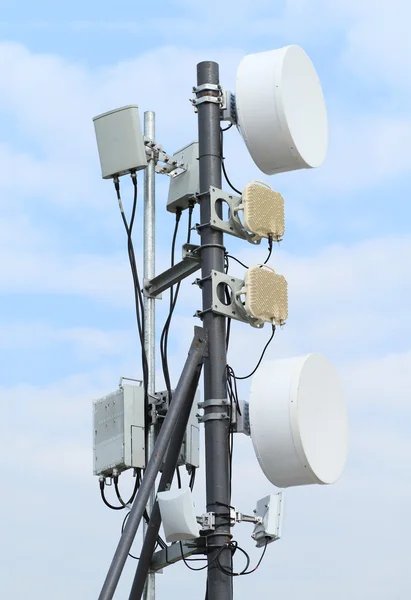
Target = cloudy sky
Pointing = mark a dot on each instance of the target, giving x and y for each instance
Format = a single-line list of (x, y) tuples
[(67, 329)]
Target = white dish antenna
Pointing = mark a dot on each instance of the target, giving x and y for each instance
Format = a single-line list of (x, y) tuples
[(298, 421), (281, 111)]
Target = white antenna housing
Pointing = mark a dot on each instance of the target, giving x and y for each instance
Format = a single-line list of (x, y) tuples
[(271, 511), (120, 142), (281, 111), (178, 516), (298, 421)]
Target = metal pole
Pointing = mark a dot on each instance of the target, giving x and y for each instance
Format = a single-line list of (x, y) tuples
[(181, 400), (149, 307), (218, 475), (150, 539)]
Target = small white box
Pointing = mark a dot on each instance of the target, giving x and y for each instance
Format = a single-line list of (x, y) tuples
[(119, 431), (271, 511), (120, 141), (186, 185)]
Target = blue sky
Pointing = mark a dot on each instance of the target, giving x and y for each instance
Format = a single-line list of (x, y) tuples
[(67, 328)]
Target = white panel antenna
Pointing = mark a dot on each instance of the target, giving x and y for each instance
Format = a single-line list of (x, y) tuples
[(271, 511), (120, 142), (178, 515)]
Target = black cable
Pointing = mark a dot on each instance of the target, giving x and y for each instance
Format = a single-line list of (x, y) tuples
[(260, 561), (106, 502), (173, 301), (190, 219), (122, 529), (222, 161), (120, 499), (192, 478), (185, 560), (261, 357), (237, 260), (178, 477), (270, 248), (132, 259), (160, 541), (233, 546)]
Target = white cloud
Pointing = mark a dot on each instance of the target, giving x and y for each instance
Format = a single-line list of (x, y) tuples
[(88, 343)]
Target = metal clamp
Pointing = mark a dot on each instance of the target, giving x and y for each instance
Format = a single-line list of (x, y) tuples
[(207, 521), (170, 166), (213, 417), (213, 402), (207, 87), (214, 99)]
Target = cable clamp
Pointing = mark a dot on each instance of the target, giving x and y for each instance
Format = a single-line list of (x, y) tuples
[(214, 402), (216, 98), (213, 417), (207, 521), (207, 87), (213, 99), (200, 313)]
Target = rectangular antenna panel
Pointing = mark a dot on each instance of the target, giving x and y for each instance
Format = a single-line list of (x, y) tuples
[(118, 427), (120, 142), (271, 511), (186, 185)]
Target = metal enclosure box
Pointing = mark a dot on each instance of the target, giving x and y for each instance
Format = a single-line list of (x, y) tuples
[(118, 428), (271, 510), (241, 422), (186, 185), (191, 444), (120, 141), (190, 450)]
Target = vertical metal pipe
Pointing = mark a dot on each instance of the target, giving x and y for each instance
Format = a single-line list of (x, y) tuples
[(149, 306), (216, 430), (180, 404)]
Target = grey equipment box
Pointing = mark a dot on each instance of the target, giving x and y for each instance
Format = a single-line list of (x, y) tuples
[(118, 431), (186, 185)]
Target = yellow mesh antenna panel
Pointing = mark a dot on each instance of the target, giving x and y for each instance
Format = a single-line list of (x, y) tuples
[(263, 210), (266, 294)]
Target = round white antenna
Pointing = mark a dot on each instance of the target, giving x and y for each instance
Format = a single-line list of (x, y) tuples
[(281, 111), (298, 421)]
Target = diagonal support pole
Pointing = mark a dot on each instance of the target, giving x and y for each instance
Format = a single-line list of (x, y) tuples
[(181, 403), (146, 554)]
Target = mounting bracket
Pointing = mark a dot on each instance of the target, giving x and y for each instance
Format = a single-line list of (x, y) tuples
[(235, 309), (233, 226), (190, 264), (169, 166)]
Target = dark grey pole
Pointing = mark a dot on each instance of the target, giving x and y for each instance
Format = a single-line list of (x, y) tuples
[(153, 527), (212, 254), (181, 402)]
